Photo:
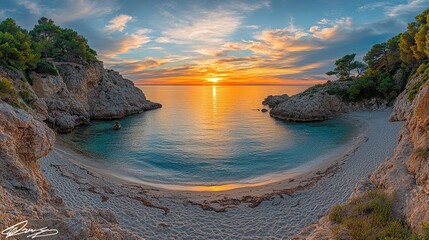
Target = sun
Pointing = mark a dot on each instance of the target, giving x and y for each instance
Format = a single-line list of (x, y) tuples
[(213, 79)]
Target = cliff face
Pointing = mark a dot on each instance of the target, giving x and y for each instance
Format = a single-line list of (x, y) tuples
[(320, 103), (84, 92), (406, 174), (24, 191)]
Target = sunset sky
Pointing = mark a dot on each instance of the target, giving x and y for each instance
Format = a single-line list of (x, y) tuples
[(228, 42)]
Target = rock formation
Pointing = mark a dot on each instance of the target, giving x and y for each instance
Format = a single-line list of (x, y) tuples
[(406, 174), (25, 193), (320, 103), (83, 92), (273, 101)]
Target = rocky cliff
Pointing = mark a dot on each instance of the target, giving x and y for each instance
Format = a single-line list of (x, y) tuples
[(319, 103), (406, 174), (76, 95), (83, 92), (25, 193)]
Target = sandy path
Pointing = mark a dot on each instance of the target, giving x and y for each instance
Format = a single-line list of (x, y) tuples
[(156, 215)]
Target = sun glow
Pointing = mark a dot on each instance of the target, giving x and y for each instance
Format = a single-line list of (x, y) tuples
[(213, 79)]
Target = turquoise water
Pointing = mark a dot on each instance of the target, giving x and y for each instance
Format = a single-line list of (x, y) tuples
[(208, 135)]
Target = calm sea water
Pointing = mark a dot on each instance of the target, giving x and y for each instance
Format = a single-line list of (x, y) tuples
[(207, 135)]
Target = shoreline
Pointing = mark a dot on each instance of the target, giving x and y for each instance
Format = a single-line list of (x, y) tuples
[(278, 212), (288, 181)]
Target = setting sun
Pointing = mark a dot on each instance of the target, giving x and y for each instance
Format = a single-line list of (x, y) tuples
[(213, 79)]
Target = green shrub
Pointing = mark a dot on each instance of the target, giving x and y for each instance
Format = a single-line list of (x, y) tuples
[(362, 88), (6, 86), (44, 67), (368, 217), (414, 90), (343, 93), (26, 96), (422, 152)]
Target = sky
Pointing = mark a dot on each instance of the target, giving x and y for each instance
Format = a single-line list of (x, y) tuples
[(288, 42)]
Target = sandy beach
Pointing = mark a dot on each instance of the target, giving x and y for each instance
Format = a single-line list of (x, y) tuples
[(272, 209)]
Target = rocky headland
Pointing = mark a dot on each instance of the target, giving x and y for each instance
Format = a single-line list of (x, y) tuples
[(405, 175), (30, 114), (320, 102)]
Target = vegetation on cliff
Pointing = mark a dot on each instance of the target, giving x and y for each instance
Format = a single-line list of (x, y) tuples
[(389, 65), (23, 50)]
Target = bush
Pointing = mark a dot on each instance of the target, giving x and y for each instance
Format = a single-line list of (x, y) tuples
[(414, 90), (343, 93), (6, 86), (368, 217), (26, 96), (422, 152), (362, 88), (44, 67)]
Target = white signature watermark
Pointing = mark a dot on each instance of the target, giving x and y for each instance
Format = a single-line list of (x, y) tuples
[(20, 228)]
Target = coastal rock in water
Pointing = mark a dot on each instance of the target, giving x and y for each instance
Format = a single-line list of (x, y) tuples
[(84, 92), (319, 103), (273, 101)]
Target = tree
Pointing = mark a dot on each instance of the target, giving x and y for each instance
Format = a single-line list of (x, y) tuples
[(44, 33), (61, 44), (360, 68), (345, 65), (16, 48), (383, 56)]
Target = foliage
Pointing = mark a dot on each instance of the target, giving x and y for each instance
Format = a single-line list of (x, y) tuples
[(412, 92), (16, 47), (61, 44), (26, 96), (413, 43), (343, 93), (8, 93), (368, 217), (345, 65), (422, 152), (6, 86), (384, 57), (21, 50), (45, 67)]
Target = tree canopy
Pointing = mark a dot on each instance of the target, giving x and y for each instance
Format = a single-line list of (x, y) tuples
[(345, 66), (23, 50), (16, 47)]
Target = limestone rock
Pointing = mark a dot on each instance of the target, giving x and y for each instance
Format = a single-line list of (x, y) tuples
[(319, 103), (273, 101), (84, 92)]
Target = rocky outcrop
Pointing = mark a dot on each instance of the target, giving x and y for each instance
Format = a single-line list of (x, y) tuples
[(25, 193), (273, 101), (322, 102), (84, 92), (403, 105), (405, 175)]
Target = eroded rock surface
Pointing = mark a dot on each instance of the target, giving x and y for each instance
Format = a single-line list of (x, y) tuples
[(84, 92)]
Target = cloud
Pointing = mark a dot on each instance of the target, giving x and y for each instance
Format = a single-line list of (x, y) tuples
[(209, 26), (374, 6), (252, 27), (31, 6), (163, 40), (334, 31), (70, 10), (127, 43), (391, 10), (206, 26), (410, 6), (155, 48), (118, 23)]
